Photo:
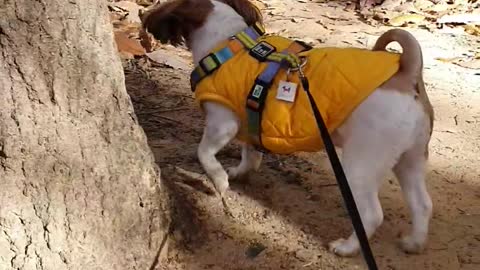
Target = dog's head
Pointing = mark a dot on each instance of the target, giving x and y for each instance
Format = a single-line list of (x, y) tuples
[(173, 21)]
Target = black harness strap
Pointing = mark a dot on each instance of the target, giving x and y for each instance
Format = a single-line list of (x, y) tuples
[(341, 180)]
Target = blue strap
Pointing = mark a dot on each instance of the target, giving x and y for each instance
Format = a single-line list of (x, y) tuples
[(270, 72), (254, 113)]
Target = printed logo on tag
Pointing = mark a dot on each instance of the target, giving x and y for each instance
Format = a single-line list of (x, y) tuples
[(262, 49), (257, 91), (286, 91)]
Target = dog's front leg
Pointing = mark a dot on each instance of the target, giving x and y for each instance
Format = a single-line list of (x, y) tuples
[(251, 160), (221, 127)]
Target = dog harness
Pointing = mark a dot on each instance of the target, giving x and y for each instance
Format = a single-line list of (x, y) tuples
[(251, 73)]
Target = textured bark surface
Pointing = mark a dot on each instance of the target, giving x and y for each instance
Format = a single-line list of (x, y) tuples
[(79, 188)]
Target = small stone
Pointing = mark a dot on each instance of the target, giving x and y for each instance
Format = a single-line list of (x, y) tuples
[(303, 255)]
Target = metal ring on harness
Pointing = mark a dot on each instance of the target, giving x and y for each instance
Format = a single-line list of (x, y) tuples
[(303, 62), (300, 67)]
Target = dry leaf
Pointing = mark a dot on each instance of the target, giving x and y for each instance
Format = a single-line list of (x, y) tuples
[(473, 64), (131, 29), (350, 6), (472, 29), (472, 61), (132, 9), (447, 60), (460, 18), (438, 8), (145, 3), (423, 4), (114, 17), (127, 46), (405, 19), (146, 40), (169, 59)]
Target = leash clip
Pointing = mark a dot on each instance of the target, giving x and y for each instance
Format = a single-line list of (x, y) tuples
[(299, 68)]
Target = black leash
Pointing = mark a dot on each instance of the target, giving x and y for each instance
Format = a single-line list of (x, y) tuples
[(342, 180)]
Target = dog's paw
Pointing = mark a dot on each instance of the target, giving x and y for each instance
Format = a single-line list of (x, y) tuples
[(221, 185), (234, 173), (411, 245), (344, 248)]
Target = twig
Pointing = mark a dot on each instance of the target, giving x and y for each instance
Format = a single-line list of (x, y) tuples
[(446, 131), (165, 110), (226, 209), (202, 177), (190, 174), (328, 185), (168, 118), (160, 249), (308, 264)]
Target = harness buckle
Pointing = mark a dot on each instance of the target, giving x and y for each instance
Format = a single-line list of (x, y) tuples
[(262, 50), (258, 27), (304, 44), (257, 96), (209, 67)]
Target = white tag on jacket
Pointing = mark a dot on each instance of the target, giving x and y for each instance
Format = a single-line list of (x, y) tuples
[(286, 91)]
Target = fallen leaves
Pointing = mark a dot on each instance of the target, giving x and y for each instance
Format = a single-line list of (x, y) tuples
[(403, 20), (127, 47), (472, 29), (146, 40), (133, 41), (471, 61), (126, 23), (460, 18), (130, 9), (429, 14), (168, 59)]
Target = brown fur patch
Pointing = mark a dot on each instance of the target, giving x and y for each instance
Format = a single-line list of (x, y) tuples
[(173, 21), (250, 13)]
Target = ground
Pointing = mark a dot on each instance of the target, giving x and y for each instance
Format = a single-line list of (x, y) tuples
[(287, 213)]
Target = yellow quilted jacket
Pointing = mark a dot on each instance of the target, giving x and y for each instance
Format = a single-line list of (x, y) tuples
[(340, 79)]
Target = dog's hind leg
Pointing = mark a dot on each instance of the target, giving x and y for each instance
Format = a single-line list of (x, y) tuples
[(365, 165), (251, 160), (221, 127), (375, 136), (410, 171)]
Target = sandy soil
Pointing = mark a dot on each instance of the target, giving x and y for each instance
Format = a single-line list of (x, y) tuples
[(285, 215)]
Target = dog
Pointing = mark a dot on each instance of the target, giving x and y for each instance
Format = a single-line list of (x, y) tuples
[(388, 130)]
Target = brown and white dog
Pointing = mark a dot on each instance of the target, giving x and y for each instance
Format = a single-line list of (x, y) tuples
[(390, 130)]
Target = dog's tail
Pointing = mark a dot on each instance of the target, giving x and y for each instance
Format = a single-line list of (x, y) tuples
[(411, 61), (411, 64)]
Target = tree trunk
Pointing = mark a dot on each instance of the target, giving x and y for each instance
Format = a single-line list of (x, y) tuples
[(79, 188)]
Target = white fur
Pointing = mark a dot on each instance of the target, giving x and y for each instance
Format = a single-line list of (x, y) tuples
[(387, 131)]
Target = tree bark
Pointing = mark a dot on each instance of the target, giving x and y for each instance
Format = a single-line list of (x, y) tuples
[(79, 188)]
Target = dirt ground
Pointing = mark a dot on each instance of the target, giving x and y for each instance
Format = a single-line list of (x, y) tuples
[(287, 213)]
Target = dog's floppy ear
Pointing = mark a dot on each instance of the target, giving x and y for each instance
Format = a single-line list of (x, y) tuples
[(174, 20)]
